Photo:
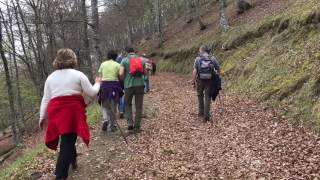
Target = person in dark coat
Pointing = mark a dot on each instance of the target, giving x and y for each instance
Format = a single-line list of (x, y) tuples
[(203, 80)]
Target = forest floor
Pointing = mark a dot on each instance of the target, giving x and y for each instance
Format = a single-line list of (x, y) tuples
[(244, 140)]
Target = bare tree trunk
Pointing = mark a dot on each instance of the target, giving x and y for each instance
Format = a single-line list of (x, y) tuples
[(129, 35), (144, 28), (26, 58), (223, 20), (85, 39), (39, 50), (198, 15), (10, 34), (158, 21), (9, 86), (191, 11), (96, 31), (62, 34), (31, 44), (50, 33)]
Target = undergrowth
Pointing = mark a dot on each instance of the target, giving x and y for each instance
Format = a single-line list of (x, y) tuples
[(22, 168), (94, 114)]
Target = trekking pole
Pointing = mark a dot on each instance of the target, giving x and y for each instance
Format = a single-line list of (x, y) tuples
[(220, 105), (221, 102), (121, 132)]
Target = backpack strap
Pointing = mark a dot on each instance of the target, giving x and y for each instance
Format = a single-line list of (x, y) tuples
[(198, 64)]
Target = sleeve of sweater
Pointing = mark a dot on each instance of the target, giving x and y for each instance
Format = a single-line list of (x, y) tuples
[(45, 100), (87, 88)]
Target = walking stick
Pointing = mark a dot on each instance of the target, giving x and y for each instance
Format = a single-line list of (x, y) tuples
[(121, 132), (217, 104), (221, 102)]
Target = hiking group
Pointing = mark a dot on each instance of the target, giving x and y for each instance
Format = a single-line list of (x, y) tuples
[(131, 73), (120, 79)]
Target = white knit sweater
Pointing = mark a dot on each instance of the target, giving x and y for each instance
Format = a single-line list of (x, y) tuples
[(66, 82)]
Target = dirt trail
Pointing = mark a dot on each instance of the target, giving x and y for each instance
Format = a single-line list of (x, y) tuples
[(246, 141)]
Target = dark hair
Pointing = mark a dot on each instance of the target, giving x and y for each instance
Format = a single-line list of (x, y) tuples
[(129, 49), (205, 48), (112, 55)]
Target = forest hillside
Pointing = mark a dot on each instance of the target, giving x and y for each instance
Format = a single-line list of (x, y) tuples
[(270, 53)]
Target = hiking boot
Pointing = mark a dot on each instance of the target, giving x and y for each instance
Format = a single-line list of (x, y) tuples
[(113, 129), (121, 116), (206, 119), (130, 128), (74, 164), (137, 130), (105, 126)]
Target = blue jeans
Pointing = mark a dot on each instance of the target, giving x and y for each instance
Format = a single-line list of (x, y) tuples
[(146, 85), (121, 106)]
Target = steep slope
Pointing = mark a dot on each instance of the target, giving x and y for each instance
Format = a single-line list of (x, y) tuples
[(270, 53)]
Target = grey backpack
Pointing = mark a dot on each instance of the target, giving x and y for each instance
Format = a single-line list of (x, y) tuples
[(205, 68)]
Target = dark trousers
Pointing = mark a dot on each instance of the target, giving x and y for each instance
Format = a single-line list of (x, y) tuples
[(67, 154), (137, 93), (204, 99)]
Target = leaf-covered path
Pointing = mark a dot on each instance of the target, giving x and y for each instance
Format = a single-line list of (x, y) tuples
[(246, 141)]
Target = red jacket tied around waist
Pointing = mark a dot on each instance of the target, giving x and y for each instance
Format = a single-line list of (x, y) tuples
[(66, 114)]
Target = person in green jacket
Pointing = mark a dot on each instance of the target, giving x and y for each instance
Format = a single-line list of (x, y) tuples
[(133, 87)]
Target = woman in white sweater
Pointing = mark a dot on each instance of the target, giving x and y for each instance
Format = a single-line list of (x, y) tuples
[(63, 108)]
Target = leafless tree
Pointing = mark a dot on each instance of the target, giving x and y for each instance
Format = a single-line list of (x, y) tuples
[(223, 19), (96, 32), (9, 84)]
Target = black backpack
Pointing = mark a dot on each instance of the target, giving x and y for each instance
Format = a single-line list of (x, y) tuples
[(205, 68)]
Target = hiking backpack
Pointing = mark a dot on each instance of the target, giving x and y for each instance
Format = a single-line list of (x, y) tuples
[(148, 66), (205, 68), (136, 67)]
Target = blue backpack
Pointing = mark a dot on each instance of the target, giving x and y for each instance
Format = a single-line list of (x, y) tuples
[(205, 68)]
